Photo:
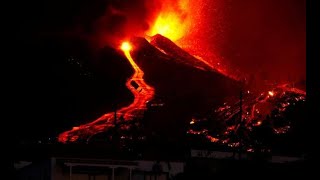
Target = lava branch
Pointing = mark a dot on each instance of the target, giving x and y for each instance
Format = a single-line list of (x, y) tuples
[(142, 94)]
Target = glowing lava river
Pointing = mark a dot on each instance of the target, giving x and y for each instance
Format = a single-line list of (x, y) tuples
[(142, 94)]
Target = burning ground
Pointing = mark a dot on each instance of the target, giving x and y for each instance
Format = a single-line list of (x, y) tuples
[(265, 120)]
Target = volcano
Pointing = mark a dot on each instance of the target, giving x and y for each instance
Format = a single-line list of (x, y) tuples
[(185, 86)]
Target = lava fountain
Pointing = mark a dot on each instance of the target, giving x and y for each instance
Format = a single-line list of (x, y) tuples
[(142, 94), (183, 22), (173, 21)]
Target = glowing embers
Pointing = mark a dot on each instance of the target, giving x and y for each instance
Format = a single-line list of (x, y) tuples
[(268, 112), (142, 94), (271, 93)]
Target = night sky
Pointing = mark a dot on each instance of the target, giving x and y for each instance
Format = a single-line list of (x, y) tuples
[(267, 38), (64, 78)]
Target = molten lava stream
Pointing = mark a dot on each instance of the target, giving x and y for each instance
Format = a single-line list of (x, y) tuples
[(142, 94)]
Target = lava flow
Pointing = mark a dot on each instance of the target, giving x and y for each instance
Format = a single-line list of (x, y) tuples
[(142, 94), (268, 109)]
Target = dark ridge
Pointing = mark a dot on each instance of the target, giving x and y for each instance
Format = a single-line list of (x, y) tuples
[(185, 90), (176, 52)]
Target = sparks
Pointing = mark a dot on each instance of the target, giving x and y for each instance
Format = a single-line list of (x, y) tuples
[(271, 93), (178, 21)]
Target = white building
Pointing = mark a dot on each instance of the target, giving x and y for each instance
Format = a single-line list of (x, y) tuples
[(99, 169)]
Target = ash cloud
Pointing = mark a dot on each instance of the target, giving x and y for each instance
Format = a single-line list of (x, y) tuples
[(120, 20), (98, 22), (123, 19)]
